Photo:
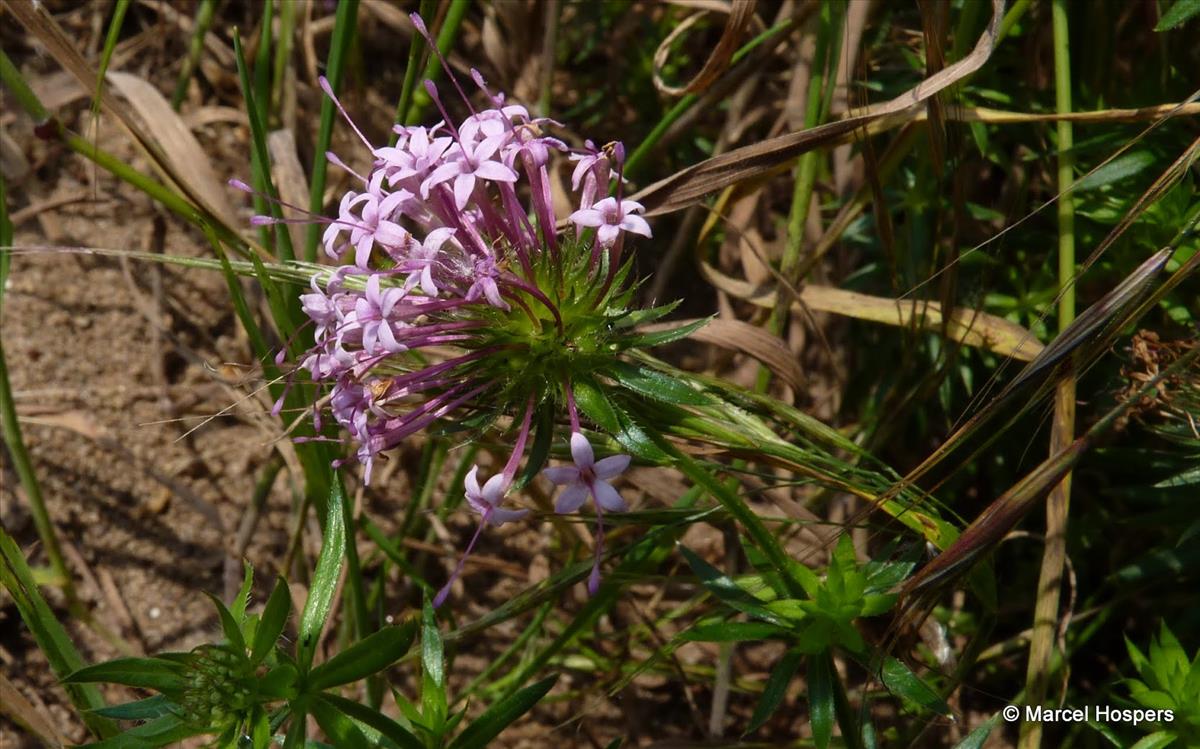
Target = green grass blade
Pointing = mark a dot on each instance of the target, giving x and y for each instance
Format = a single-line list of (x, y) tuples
[(260, 160), (339, 44), (415, 48), (262, 65), (60, 652), (283, 51), (200, 25), (110, 45), (11, 428), (446, 37), (501, 715)]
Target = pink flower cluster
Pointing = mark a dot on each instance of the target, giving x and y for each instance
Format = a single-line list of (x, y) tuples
[(447, 224)]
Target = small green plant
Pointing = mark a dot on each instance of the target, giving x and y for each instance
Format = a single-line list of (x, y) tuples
[(1169, 685), (813, 626), (252, 690)]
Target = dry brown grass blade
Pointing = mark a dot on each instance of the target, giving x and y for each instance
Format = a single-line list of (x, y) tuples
[(1005, 117), (23, 713), (747, 339), (689, 185), (740, 13), (178, 145), (968, 326), (987, 530), (36, 19)]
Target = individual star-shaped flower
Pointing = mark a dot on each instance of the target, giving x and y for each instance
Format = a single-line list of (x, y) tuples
[(486, 501), (612, 218), (588, 476)]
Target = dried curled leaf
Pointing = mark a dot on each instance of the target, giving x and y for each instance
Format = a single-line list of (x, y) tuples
[(689, 185), (740, 13), (744, 338)]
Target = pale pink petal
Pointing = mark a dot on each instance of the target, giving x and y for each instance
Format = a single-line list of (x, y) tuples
[(362, 250), (500, 517), (587, 217), (391, 235), (608, 498), (493, 490), (440, 175), (561, 474), (581, 451), (611, 466), (635, 224), (571, 499), (472, 482), (464, 185), (495, 171), (607, 234)]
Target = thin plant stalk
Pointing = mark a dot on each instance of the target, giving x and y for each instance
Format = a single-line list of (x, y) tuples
[(12, 433), (343, 34), (283, 51), (204, 16), (433, 68), (416, 46), (820, 96), (1045, 617), (549, 47)]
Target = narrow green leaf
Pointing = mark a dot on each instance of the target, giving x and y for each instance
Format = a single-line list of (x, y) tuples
[(203, 19), (595, 405), (431, 647), (329, 567), (434, 703), (169, 729), (149, 673), (727, 591), (975, 739), (642, 316), (274, 619), (365, 657), (1181, 11), (652, 384), (733, 632), (110, 46), (820, 698), (1121, 168), (639, 439), (776, 689), (339, 728), (910, 688), (147, 709), (1188, 477), (501, 715), (1156, 740), (260, 731), (539, 452), (660, 337), (242, 599), (229, 626), (387, 727)]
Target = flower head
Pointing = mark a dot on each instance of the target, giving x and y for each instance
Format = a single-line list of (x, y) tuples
[(457, 297)]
